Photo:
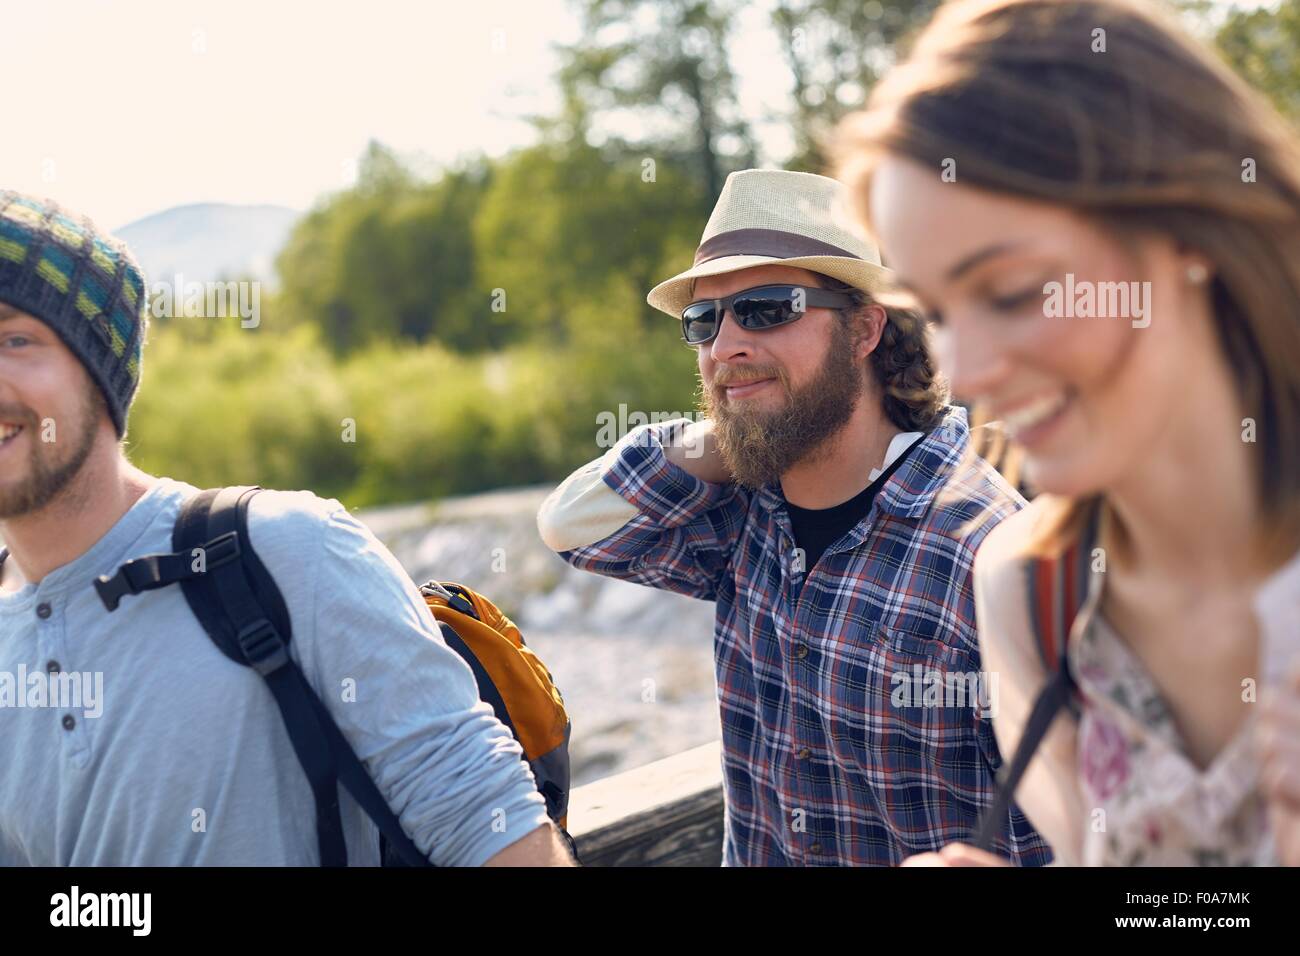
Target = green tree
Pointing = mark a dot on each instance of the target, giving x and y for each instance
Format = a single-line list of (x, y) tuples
[(391, 259), (664, 66), (1263, 45), (836, 50), (575, 237)]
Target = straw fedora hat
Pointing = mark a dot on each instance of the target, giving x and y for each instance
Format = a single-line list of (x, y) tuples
[(769, 216)]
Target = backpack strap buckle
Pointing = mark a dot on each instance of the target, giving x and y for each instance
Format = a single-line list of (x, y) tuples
[(263, 647), (159, 570), (142, 574), (456, 597), (221, 550)]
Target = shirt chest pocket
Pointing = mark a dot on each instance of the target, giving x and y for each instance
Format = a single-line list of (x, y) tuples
[(901, 706)]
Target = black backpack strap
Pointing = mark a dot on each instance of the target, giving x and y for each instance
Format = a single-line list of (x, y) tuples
[(1049, 703)]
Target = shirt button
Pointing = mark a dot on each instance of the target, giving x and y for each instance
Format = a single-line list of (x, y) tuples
[(52, 667), (804, 753), (43, 610), (815, 848), (800, 651), (69, 721)]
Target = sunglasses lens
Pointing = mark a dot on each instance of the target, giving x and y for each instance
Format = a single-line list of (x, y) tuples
[(699, 322), (765, 309)]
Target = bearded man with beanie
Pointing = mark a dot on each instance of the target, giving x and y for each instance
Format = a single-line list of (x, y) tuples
[(182, 758), (830, 505)]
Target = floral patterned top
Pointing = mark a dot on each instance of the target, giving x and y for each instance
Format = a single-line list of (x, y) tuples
[(1145, 802), (1117, 786)]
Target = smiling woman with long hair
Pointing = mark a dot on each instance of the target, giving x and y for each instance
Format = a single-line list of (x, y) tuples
[(1103, 224)]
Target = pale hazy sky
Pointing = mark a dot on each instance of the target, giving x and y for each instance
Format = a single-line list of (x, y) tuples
[(121, 108)]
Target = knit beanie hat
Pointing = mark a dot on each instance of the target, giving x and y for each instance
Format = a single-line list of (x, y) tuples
[(58, 268)]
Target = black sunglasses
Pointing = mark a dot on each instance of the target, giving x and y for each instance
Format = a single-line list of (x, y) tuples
[(762, 307)]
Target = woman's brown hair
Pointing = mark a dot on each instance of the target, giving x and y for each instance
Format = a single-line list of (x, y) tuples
[(1109, 108)]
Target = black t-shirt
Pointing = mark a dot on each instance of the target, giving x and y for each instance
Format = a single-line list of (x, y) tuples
[(816, 529)]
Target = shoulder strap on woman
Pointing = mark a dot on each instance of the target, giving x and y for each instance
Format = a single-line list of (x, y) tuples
[(1057, 587)]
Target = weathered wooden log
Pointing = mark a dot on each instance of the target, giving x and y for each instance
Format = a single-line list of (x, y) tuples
[(668, 813)]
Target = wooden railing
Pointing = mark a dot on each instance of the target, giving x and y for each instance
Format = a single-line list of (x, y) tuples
[(668, 813)]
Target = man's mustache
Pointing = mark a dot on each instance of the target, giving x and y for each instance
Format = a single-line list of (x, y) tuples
[(726, 379)]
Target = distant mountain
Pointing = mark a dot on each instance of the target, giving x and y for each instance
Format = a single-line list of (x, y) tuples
[(209, 241)]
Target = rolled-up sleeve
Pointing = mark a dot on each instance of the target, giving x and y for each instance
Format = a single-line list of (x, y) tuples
[(408, 704), (661, 525)]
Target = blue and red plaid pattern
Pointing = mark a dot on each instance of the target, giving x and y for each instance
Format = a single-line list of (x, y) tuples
[(824, 762)]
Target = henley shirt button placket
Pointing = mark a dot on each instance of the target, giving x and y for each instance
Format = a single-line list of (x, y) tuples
[(44, 611)]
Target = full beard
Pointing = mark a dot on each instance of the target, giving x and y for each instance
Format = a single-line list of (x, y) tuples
[(47, 475), (758, 445)]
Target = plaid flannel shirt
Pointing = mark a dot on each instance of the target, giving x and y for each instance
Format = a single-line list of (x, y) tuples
[(832, 752)]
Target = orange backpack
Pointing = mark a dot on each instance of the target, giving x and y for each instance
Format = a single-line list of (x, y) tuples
[(513, 680)]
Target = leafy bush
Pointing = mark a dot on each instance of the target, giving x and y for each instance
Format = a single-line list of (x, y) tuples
[(222, 405)]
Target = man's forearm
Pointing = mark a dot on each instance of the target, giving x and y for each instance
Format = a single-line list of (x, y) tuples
[(542, 847), (656, 509)]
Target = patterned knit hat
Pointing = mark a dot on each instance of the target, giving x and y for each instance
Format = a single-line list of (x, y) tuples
[(58, 268)]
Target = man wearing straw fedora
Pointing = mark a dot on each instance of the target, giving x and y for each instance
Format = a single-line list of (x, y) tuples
[(829, 505)]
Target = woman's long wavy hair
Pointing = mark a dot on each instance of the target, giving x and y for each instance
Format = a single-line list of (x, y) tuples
[(1107, 107)]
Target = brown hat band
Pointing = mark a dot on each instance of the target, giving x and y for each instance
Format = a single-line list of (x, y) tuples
[(766, 242)]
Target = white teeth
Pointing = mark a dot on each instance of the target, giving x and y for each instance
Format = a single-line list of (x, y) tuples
[(1033, 413)]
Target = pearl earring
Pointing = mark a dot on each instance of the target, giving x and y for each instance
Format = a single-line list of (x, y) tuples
[(1197, 273)]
